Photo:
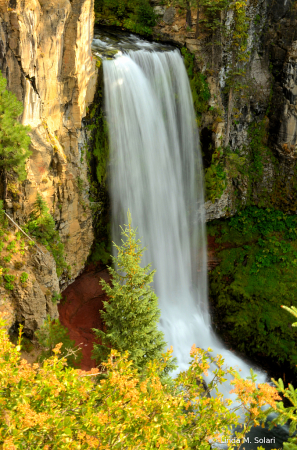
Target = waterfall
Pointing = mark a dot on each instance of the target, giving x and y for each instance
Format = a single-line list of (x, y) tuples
[(156, 172)]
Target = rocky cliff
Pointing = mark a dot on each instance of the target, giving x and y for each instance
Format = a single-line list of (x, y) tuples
[(45, 54), (246, 52)]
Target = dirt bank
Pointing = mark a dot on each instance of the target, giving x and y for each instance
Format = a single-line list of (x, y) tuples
[(79, 310)]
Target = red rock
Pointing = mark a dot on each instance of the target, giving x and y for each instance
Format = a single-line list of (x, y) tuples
[(80, 310)]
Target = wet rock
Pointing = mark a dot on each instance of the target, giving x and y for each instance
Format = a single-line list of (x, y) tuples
[(287, 136), (219, 208)]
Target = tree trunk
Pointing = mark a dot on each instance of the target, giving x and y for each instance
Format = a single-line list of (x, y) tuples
[(4, 183), (197, 22), (189, 15), (230, 107)]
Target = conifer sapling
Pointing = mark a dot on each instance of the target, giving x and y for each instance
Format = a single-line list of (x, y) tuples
[(131, 315)]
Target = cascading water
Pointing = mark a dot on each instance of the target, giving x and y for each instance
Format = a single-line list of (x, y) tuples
[(156, 173)]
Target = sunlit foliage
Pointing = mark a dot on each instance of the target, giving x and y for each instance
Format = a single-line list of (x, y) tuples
[(53, 406)]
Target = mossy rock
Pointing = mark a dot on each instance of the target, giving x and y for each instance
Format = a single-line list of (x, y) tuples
[(256, 275)]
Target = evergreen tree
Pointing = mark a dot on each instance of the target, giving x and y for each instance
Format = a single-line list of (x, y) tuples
[(131, 315), (14, 139), (41, 224)]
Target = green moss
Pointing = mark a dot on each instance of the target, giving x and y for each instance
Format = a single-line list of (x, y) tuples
[(281, 191), (199, 86), (9, 282), (256, 275), (97, 160), (215, 177), (101, 147)]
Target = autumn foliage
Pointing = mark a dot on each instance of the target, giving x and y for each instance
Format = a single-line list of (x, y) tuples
[(53, 406)]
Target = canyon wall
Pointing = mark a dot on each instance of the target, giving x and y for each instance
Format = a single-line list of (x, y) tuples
[(248, 124), (45, 54)]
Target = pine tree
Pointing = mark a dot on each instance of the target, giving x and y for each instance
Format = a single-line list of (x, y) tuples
[(131, 315), (14, 139), (42, 224)]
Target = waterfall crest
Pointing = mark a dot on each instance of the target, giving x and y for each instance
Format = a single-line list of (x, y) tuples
[(156, 172)]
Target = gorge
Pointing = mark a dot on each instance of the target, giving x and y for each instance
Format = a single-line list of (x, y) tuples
[(240, 71)]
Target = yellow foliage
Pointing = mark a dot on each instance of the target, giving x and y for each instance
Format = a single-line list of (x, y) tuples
[(57, 407)]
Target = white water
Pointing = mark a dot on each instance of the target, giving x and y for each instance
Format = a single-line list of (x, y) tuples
[(156, 172)]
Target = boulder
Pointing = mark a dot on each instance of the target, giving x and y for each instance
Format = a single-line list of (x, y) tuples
[(169, 15)]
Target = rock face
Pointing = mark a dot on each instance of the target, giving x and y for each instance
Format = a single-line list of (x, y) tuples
[(263, 94), (45, 54), (29, 303)]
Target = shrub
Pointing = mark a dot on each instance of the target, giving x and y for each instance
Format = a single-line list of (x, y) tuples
[(56, 297), (18, 265), (9, 282), (24, 277), (286, 414), (53, 406), (7, 258), (52, 333), (42, 226)]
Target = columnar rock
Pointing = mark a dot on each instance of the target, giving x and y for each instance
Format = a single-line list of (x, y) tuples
[(45, 54)]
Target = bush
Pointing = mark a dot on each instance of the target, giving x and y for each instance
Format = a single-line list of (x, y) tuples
[(24, 277), (42, 226), (53, 333), (53, 406)]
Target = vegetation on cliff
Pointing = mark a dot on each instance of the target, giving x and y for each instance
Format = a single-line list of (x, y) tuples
[(257, 250), (13, 246), (42, 226), (14, 138), (98, 170), (198, 84), (134, 15)]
